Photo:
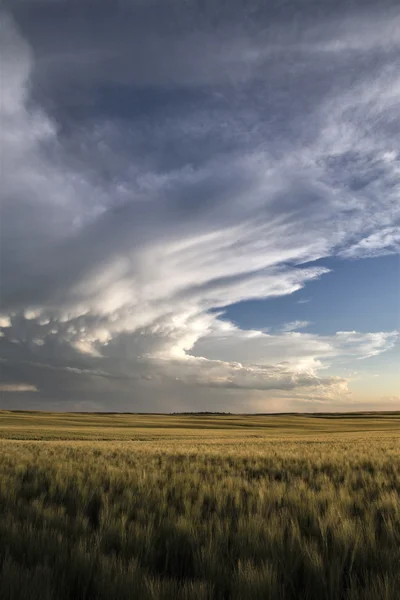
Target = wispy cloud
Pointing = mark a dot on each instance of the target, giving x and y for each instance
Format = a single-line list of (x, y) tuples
[(295, 325), (17, 387), (377, 243)]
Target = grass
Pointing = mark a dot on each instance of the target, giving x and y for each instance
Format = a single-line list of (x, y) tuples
[(181, 507)]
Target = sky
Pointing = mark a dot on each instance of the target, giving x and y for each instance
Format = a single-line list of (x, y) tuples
[(200, 205)]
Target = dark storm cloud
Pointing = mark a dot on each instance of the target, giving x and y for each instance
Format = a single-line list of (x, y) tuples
[(162, 159), (141, 60)]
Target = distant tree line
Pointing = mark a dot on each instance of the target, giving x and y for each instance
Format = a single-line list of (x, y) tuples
[(204, 412)]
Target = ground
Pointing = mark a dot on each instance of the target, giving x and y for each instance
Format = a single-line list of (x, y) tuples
[(96, 506)]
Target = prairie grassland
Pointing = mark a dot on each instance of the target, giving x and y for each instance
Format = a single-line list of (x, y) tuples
[(181, 507), (100, 426)]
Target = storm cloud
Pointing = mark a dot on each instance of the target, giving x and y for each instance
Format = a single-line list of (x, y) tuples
[(163, 161)]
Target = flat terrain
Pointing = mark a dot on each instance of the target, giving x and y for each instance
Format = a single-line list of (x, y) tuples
[(96, 506), (102, 426)]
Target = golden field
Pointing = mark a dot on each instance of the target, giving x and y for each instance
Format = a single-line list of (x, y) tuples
[(104, 506)]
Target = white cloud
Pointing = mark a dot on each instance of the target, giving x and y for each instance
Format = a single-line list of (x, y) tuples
[(366, 345), (17, 387), (380, 242), (5, 321), (295, 325), (298, 350)]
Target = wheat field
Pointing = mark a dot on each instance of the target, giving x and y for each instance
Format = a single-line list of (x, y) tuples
[(96, 506)]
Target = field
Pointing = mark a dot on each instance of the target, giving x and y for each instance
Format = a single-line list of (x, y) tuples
[(199, 507)]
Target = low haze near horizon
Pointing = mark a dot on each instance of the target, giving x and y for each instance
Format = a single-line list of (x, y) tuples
[(200, 205)]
